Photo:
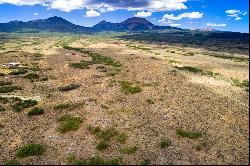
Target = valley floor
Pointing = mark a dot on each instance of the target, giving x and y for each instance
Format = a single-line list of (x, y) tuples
[(193, 100)]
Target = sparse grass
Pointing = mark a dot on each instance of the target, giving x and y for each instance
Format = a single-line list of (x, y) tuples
[(165, 143), (145, 162), (201, 146), (69, 123), (96, 59), (230, 57), (18, 71), (198, 70), (94, 161), (121, 138), (211, 74), (102, 145), (62, 106), (104, 106), (129, 150), (80, 65), (150, 101), (2, 74), (190, 69), (36, 111), (30, 150), (107, 134), (128, 88), (12, 162), (32, 76), (6, 89), (68, 87), (4, 83), (173, 61), (94, 130), (188, 134), (23, 105), (240, 83), (2, 108), (189, 54)]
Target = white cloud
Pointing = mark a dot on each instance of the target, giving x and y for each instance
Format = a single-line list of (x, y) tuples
[(36, 14), (216, 25), (170, 23), (66, 5), (92, 13), (105, 5), (236, 14), (143, 14), (22, 2), (233, 11), (192, 15), (238, 18), (175, 25), (167, 5)]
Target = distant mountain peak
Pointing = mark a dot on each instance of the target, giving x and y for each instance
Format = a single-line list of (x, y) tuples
[(137, 20), (58, 24)]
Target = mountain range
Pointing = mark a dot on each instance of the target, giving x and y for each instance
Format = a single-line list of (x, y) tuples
[(58, 24)]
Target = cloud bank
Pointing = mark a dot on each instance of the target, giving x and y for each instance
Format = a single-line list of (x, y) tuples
[(105, 5)]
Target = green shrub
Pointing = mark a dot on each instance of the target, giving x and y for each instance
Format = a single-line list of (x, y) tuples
[(30, 150), (80, 65), (210, 73), (69, 123), (69, 87), (102, 145), (127, 88), (6, 89), (2, 74), (18, 71), (189, 54), (201, 145), (150, 101), (23, 104), (145, 162), (94, 130), (239, 83), (121, 138), (36, 111), (188, 134), (32, 76), (96, 59), (95, 161), (165, 143), (190, 69), (2, 108), (62, 106), (108, 133), (3, 83), (12, 162), (129, 150)]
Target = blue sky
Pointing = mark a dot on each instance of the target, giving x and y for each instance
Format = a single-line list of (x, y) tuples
[(226, 15)]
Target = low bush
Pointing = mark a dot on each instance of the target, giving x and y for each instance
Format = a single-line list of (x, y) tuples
[(102, 145), (12, 162), (36, 111), (128, 88), (68, 87), (69, 123), (188, 134), (30, 150), (165, 143), (23, 105)]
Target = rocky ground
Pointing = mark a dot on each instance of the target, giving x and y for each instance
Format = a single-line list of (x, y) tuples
[(170, 99)]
